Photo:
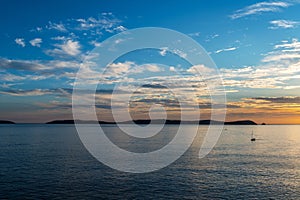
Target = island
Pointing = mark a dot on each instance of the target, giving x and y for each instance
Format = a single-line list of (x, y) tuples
[(71, 121), (6, 122), (157, 121)]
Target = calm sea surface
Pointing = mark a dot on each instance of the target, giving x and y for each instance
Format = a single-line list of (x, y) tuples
[(50, 162)]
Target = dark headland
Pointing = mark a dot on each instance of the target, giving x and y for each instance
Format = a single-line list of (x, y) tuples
[(6, 122), (201, 122)]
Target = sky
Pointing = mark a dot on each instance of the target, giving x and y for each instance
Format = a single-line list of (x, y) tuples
[(254, 44)]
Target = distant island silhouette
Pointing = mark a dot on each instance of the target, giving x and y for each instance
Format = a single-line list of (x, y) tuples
[(6, 122), (157, 121)]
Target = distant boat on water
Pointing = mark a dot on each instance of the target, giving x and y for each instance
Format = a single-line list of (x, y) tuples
[(252, 137)]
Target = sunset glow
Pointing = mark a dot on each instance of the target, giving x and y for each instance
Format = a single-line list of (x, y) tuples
[(256, 50)]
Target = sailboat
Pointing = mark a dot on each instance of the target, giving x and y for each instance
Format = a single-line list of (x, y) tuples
[(252, 137)]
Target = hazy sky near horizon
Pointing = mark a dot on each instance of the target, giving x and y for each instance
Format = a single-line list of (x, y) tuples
[(255, 45)]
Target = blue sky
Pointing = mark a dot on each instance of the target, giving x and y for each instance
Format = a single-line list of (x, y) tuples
[(253, 43)]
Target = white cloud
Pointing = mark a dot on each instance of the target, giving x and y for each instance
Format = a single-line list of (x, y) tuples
[(105, 21), (279, 69), (196, 34), (196, 69), (11, 77), (8, 77), (215, 36), (227, 49), (9, 85), (68, 48), (35, 92), (284, 52), (60, 64), (34, 70), (179, 52), (163, 51), (117, 69), (22, 65), (211, 37), (260, 8), (39, 29), (95, 43), (276, 24), (57, 26), (172, 69), (281, 57), (294, 46), (120, 28), (90, 26), (71, 47), (20, 41), (251, 82), (151, 67), (36, 42), (118, 41), (62, 38)]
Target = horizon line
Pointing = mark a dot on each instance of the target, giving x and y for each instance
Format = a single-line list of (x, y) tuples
[(263, 124)]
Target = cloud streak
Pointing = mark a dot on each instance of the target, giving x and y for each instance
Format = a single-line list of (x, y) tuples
[(260, 8), (36, 92), (285, 24), (36, 42), (56, 26), (226, 49), (21, 65), (284, 99)]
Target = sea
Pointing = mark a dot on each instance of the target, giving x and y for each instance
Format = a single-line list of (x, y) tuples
[(39, 161)]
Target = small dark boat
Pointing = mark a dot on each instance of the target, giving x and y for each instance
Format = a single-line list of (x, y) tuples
[(252, 137)]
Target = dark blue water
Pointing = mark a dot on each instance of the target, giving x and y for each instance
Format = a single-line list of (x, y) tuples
[(49, 162)]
